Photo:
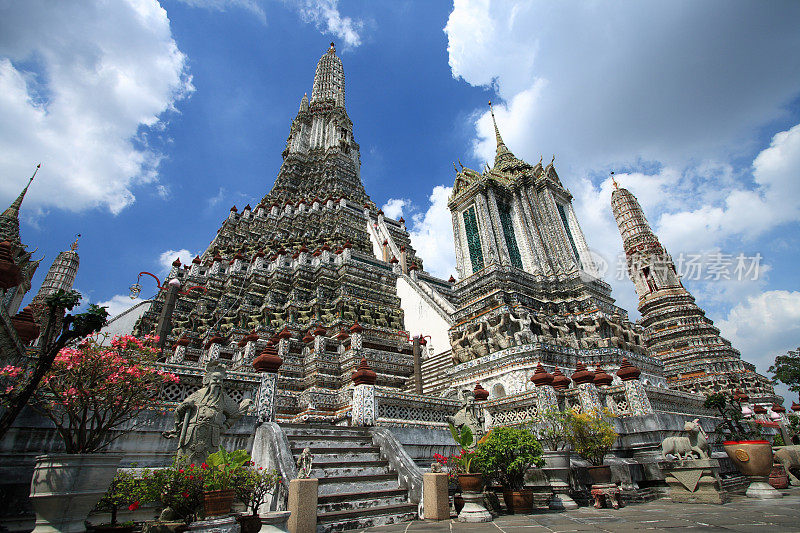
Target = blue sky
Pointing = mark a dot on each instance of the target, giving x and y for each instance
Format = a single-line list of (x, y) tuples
[(151, 120)]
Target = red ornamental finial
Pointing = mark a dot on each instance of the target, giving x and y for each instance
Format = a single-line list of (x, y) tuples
[(480, 393), (541, 377), (364, 375)]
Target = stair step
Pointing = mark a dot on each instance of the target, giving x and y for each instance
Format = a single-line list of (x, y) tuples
[(361, 500), (350, 456), (364, 518), (362, 484), (327, 441), (316, 450), (349, 468), (303, 429)]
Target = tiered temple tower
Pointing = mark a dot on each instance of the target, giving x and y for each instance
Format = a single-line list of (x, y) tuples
[(313, 268), (696, 358), (530, 291)]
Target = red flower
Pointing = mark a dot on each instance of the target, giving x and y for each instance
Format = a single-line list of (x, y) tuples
[(204, 466), (185, 494), (181, 470), (191, 465), (133, 506), (191, 477)]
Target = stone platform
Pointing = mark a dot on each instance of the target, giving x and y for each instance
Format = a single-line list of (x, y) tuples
[(740, 514)]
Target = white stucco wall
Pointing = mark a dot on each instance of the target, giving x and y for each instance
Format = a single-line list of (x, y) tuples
[(421, 318)]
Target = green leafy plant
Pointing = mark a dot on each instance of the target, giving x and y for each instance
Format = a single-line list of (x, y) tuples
[(464, 439), (551, 430), (179, 487), (733, 427), (507, 453), (590, 434), (223, 468), (253, 484), (126, 490), (786, 369)]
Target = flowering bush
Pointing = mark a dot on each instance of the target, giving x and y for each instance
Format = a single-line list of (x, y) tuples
[(126, 490), (180, 488), (91, 390), (591, 435), (450, 465), (253, 484), (223, 468)]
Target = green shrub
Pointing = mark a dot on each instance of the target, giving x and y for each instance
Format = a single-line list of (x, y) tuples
[(506, 453)]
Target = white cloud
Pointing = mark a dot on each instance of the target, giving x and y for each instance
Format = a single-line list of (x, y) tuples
[(119, 303), (324, 14), (432, 234), (603, 85), (165, 259), (393, 208), (763, 327), (222, 5), (215, 200), (81, 83)]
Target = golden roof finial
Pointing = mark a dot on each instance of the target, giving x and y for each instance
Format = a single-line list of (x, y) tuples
[(613, 180), (74, 245)]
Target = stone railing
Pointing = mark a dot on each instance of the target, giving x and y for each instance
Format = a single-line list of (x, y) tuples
[(672, 401), (513, 410), (412, 410)]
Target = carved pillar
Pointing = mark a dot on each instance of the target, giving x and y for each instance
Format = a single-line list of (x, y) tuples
[(267, 363), (365, 408), (638, 403), (587, 391), (545, 393), (213, 348), (178, 350)]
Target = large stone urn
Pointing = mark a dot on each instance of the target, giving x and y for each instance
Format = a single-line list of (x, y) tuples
[(472, 492), (556, 468), (753, 458), (66, 487)]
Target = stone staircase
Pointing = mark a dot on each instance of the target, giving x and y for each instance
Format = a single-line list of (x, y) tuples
[(357, 489)]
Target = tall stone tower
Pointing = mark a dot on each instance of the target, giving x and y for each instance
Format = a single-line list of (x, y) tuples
[(313, 268), (696, 358), (61, 276), (11, 298)]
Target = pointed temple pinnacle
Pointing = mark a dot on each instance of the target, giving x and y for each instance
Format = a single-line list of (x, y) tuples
[(496, 130), (616, 187), (74, 245), (13, 209)]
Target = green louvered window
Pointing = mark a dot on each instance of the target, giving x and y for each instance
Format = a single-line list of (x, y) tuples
[(563, 214), (473, 239), (511, 240)]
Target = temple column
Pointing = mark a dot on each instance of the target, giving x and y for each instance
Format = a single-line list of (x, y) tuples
[(364, 408), (267, 364)]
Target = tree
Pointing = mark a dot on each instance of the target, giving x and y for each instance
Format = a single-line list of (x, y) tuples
[(72, 328), (787, 370)]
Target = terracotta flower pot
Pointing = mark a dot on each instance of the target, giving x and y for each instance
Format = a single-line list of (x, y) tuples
[(778, 477), (218, 502), (471, 482), (249, 523), (518, 501), (753, 458), (600, 474), (66, 487)]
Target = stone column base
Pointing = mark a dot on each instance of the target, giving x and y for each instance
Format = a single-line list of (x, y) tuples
[(761, 490), (436, 503), (225, 524), (303, 505), (694, 481), (473, 510), (274, 522)]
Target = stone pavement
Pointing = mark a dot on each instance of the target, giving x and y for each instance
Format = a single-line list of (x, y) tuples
[(740, 514)]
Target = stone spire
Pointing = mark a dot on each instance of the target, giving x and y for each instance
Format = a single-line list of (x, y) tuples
[(61, 275), (637, 236), (9, 220), (304, 103), (503, 154), (328, 79)]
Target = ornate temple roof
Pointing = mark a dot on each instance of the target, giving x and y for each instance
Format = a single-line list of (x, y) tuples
[(329, 78)]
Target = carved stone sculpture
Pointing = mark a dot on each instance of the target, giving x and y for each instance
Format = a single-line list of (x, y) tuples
[(498, 336), (477, 341), (789, 457), (590, 332), (460, 347), (202, 417), (694, 446), (523, 333), (304, 463), (470, 415)]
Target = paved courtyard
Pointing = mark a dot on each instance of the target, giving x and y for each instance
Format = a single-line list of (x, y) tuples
[(740, 514)]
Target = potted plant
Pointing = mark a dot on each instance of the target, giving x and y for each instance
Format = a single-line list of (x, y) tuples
[(505, 455), (451, 466), (179, 489), (743, 443), (591, 436), (92, 394), (125, 491), (470, 481), (251, 486), (551, 431), (223, 469)]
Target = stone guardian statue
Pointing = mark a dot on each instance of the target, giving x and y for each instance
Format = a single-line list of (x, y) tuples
[(204, 415)]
